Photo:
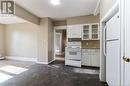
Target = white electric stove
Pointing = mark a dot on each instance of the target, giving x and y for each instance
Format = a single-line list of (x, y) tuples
[(73, 54)]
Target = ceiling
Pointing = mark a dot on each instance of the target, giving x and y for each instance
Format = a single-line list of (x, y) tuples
[(11, 20), (67, 8)]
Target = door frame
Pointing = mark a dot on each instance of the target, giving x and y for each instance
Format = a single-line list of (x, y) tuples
[(60, 41), (103, 21), (122, 14), (58, 28)]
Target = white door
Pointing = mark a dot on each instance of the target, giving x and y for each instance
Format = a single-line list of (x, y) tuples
[(58, 44), (126, 43)]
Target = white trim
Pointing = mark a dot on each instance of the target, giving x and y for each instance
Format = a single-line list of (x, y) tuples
[(122, 15), (54, 43), (21, 58), (89, 24), (111, 12), (42, 62), (51, 61), (60, 27), (58, 58), (60, 43), (45, 62), (97, 9), (2, 58)]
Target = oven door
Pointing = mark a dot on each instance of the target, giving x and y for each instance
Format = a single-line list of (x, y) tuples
[(73, 54)]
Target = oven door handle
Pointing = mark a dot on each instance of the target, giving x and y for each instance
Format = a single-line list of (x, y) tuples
[(75, 59)]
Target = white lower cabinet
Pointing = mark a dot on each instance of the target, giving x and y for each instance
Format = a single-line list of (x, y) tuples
[(91, 57)]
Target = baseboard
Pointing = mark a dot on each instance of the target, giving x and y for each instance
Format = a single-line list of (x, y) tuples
[(45, 62), (22, 58), (2, 58), (58, 58), (51, 61), (27, 59), (42, 62)]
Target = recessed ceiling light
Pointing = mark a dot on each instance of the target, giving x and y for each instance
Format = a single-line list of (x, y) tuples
[(55, 2)]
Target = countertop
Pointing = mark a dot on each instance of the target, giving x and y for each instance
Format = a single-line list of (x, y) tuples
[(90, 48)]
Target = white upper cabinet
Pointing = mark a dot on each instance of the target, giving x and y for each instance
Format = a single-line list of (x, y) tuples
[(95, 31), (74, 31), (90, 32), (86, 32)]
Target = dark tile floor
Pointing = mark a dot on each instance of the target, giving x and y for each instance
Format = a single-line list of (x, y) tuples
[(56, 74)]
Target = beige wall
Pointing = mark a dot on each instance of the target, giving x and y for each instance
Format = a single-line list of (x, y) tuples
[(59, 23), (20, 12), (21, 40), (91, 44), (105, 6), (50, 41), (2, 41), (45, 41), (29, 40), (83, 20)]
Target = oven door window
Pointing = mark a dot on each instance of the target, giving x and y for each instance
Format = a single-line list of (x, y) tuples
[(72, 53)]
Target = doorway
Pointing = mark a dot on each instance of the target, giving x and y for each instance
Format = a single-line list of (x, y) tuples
[(58, 44), (60, 36)]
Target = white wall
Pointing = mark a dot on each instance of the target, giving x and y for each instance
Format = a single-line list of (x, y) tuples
[(2, 41), (21, 40)]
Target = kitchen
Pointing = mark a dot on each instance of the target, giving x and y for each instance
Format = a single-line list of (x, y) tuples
[(82, 41), (83, 45), (78, 42)]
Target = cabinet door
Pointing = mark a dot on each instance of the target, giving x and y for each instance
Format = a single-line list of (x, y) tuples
[(95, 31), (86, 32), (91, 57), (95, 58), (86, 60), (74, 31)]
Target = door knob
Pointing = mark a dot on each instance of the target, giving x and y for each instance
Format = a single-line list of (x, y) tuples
[(126, 59)]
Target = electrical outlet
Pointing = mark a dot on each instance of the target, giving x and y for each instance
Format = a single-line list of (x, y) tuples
[(86, 43)]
